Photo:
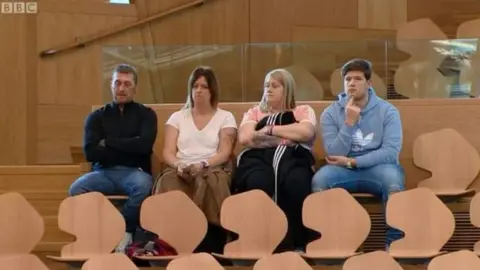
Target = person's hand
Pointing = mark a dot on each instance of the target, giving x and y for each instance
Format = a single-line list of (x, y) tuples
[(182, 170), (288, 142), (196, 169), (337, 160), (352, 113)]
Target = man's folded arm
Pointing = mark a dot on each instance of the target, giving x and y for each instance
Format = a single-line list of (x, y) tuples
[(142, 144), (94, 152)]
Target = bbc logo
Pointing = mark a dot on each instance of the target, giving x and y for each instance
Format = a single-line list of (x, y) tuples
[(18, 7)]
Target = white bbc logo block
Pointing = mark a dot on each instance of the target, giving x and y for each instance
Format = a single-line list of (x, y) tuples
[(19, 7), (7, 7), (31, 7)]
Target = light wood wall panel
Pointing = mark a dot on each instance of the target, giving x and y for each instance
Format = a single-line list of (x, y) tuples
[(218, 29), (272, 20), (63, 89), (448, 14), (17, 89), (71, 82), (381, 14)]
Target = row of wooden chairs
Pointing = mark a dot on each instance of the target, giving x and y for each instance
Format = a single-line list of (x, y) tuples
[(261, 225), (378, 260), (344, 224)]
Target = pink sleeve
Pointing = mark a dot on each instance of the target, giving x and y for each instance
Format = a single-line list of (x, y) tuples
[(251, 116), (305, 113)]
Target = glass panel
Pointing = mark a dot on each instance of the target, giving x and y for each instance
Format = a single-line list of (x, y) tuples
[(401, 69), (163, 77), (433, 68)]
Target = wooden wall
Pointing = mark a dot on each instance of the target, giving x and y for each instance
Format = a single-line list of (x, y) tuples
[(46, 100)]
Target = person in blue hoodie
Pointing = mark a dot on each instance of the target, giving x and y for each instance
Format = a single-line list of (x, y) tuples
[(362, 137)]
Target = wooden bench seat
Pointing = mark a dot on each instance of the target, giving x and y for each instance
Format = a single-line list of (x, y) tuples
[(437, 114)]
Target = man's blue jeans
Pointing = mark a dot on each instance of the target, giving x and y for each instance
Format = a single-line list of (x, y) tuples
[(380, 180), (133, 182)]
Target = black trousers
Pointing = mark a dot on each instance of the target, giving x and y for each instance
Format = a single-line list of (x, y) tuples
[(294, 187)]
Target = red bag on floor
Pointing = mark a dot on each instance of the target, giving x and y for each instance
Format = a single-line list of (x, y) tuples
[(154, 247)]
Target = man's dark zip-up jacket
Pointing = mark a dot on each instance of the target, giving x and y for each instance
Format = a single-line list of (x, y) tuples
[(128, 134)]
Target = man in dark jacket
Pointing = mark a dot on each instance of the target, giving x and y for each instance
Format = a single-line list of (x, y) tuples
[(118, 141)]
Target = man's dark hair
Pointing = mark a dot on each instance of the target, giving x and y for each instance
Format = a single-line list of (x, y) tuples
[(358, 65), (126, 68)]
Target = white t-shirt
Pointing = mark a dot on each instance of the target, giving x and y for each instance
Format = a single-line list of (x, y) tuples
[(197, 145)]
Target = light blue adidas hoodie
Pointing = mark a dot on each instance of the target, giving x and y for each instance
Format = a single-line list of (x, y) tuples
[(375, 139)]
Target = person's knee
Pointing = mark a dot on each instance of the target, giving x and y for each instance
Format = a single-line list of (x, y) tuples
[(324, 178), (393, 177), (75, 189), (79, 186), (142, 183)]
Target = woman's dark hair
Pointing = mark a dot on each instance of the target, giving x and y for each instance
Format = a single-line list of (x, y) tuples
[(209, 74)]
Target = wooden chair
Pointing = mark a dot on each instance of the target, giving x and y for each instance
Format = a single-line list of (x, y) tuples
[(96, 223), (377, 260), (22, 229), (22, 262), (175, 218), (426, 221), (282, 261), (453, 161), (458, 260), (114, 261), (343, 223), (260, 224), (198, 261), (475, 218)]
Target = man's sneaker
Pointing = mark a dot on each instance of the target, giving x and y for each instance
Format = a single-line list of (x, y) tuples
[(127, 240)]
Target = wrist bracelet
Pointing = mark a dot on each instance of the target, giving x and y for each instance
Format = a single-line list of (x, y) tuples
[(270, 130)]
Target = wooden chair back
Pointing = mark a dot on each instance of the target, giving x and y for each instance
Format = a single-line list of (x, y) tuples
[(22, 262), (95, 222), (197, 261), (426, 221), (454, 165), (342, 221), (259, 222), (377, 260), (114, 261), (175, 218), (282, 261), (21, 226), (458, 260), (475, 217)]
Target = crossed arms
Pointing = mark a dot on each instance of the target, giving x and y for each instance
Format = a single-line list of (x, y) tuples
[(98, 147)]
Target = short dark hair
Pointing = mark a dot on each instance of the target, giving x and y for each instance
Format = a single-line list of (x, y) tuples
[(209, 74), (358, 65), (126, 68)]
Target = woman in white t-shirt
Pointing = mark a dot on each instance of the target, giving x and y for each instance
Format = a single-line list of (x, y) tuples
[(199, 143)]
